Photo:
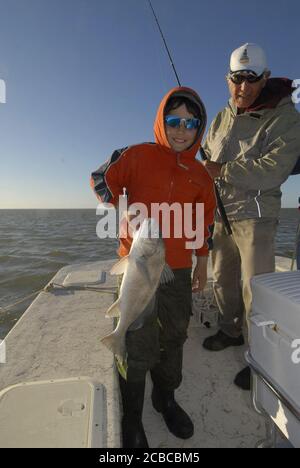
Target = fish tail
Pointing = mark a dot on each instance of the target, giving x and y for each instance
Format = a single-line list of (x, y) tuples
[(116, 344)]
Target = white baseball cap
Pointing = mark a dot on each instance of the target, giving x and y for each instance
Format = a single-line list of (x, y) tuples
[(248, 57)]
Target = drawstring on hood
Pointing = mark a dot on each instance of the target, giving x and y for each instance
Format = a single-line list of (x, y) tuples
[(159, 124)]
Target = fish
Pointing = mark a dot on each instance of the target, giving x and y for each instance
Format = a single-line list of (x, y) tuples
[(143, 269)]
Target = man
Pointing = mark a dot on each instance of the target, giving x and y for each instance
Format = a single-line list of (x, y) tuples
[(252, 147)]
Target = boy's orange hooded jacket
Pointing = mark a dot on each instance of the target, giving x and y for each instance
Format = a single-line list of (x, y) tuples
[(155, 173)]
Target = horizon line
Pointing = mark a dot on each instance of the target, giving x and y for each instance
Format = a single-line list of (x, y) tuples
[(94, 208), (45, 208)]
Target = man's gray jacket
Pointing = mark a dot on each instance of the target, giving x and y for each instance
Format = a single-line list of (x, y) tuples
[(259, 148)]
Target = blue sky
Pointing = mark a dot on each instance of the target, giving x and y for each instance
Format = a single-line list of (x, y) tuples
[(85, 77)]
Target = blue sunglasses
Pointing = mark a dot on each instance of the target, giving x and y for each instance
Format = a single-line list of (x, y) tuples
[(175, 122)]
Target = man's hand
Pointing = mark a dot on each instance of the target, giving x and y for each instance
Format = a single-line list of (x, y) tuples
[(200, 274), (213, 168)]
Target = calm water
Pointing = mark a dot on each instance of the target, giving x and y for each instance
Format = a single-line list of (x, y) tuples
[(35, 244)]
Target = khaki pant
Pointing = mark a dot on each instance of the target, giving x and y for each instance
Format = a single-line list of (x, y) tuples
[(248, 252)]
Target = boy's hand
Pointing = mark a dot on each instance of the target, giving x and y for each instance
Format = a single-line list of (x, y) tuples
[(200, 274)]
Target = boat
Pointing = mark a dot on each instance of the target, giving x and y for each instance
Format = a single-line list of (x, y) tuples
[(59, 385)]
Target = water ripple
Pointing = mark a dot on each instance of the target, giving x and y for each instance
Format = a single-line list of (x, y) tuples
[(35, 244)]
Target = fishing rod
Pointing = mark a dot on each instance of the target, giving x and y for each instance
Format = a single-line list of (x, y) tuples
[(165, 43), (202, 151)]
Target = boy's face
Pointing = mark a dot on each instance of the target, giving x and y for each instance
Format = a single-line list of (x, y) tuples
[(180, 138)]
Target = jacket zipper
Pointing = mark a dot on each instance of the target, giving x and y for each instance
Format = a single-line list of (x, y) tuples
[(170, 190), (171, 183)]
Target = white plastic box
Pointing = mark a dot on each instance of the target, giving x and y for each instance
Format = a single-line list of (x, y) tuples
[(68, 413), (274, 338)]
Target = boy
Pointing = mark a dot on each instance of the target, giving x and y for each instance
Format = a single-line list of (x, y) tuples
[(163, 172)]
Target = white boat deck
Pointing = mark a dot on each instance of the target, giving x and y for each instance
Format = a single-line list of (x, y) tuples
[(59, 337)]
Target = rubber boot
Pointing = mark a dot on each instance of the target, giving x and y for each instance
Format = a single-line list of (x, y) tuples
[(133, 401), (178, 422), (222, 341), (243, 379)]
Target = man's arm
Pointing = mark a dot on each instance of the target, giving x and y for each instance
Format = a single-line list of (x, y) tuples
[(206, 145), (213, 168), (270, 170)]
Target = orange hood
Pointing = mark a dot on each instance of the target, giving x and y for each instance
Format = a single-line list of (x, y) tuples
[(159, 125)]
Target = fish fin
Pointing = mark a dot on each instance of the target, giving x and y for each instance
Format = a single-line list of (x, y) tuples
[(116, 344), (114, 310), (120, 267), (142, 268), (167, 275)]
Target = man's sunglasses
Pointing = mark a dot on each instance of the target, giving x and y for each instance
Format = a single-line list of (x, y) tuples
[(239, 78), (175, 122)]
